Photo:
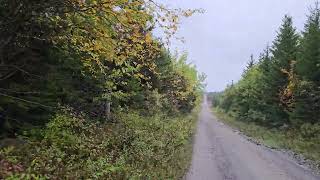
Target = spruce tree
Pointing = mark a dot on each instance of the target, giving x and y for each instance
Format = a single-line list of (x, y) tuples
[(264, 68), (285, 46), (266, 104), (249, 65), (307, 91), (284, 51), (308, 65)]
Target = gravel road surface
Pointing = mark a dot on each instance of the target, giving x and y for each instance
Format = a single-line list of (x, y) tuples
[(220, 153)]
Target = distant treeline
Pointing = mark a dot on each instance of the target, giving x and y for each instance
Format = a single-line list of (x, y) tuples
[(282, 88)]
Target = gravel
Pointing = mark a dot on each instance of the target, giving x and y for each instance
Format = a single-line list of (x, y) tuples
[(221, 153)]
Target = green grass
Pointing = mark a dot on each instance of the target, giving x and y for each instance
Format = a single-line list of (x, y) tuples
[(294, 140)]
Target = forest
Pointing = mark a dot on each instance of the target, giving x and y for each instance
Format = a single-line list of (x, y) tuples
[(87, 91), (277, 98)]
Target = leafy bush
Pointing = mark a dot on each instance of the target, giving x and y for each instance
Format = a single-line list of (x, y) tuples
[(75, 148)]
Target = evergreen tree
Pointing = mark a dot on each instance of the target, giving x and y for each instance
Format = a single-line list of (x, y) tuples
[(83, 55), (284, 51), (265, 61), (249, 65), (307, 91), (285, 46), (266, 92), (283, 87), (306, 104), (308, 65)]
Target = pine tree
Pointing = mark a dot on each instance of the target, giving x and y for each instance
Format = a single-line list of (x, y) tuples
[(266, 91), (307, 92), (265, 61), (265, 67), (283, 87), (285, 46), (308, 65), (249, 65), (284, 51)]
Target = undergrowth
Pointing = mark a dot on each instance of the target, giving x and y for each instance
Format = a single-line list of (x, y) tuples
[(134, 147)]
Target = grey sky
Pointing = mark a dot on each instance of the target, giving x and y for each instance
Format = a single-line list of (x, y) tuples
[(221, 40)]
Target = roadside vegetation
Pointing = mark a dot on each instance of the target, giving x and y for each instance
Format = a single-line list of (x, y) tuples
[(277, 99), (135, 147), (88, 92), (293, 139)]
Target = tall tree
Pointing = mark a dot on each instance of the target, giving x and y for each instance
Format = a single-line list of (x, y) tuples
[(306, 106), (284, 51), (308, 64), (249, 65), (285, 46), (283, 88), (82, 54)]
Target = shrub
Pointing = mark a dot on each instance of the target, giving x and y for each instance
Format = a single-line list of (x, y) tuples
[(75, 148)]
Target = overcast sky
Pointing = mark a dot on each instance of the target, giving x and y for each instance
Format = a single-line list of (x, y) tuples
[(221, 40)]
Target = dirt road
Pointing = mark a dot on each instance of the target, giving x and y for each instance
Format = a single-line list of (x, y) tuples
[(222, 154)]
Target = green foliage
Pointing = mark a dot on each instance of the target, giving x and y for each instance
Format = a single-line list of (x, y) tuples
[(285, 46), (308, 64), (284, 51), (134, 147), (89, 56), (271, 93), (85, 54), (215, 98), (306, 104), (277, 99), (307, 93), (178, 81)]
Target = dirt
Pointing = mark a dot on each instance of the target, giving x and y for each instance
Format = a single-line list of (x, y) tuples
[(220, 153)]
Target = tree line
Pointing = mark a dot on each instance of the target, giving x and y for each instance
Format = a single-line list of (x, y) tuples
[(282, 88), (89, 55), (88, 92)]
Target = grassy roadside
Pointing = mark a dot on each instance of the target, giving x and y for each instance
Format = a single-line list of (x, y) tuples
[(293, 140), (136, 147)]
